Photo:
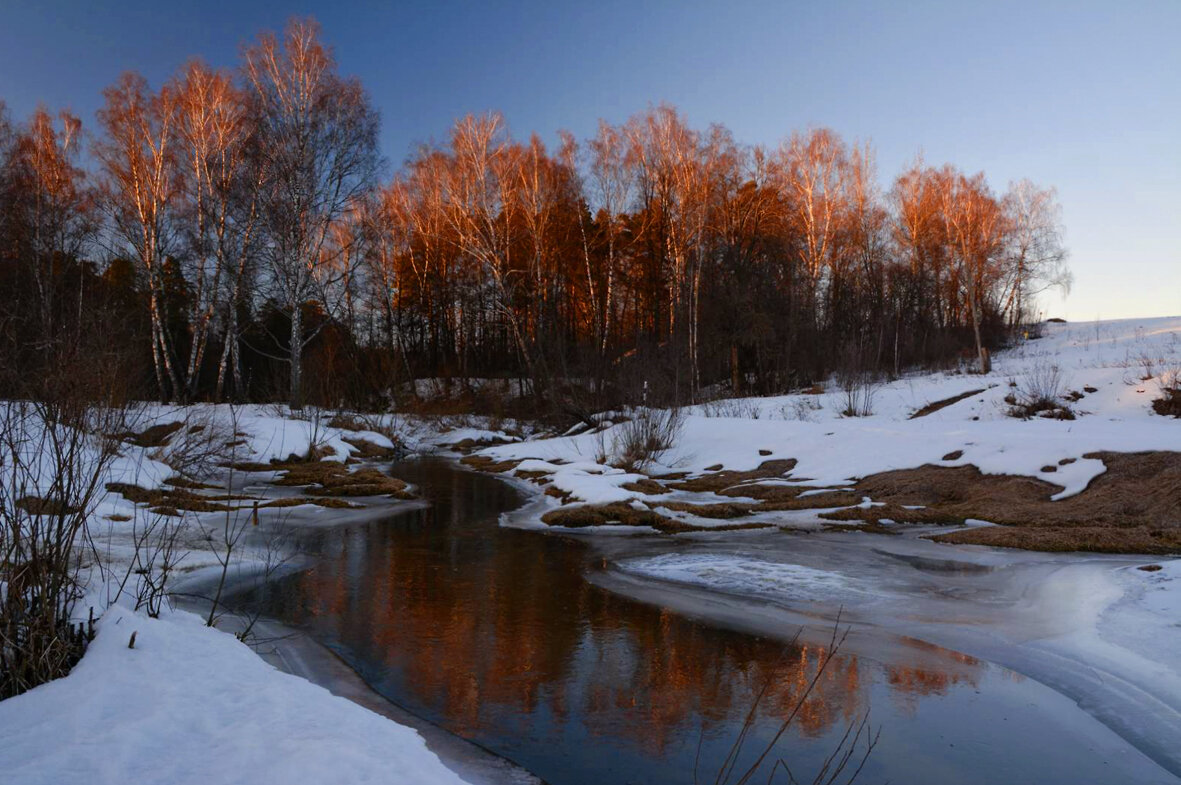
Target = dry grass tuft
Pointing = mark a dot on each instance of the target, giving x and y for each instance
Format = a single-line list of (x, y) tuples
[(619, 514), (645, 486), (482, 463), (155, 436), (720, 481), (35, 505), (330, 478), (369, 451)]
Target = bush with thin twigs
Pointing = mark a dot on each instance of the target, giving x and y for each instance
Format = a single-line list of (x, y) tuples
[(803, 408), (1148, 364), (640, 440), (1039, 394), (738, 408), (203, 443), (156, 556), (858, 389), (54, 455), (1169, 402)]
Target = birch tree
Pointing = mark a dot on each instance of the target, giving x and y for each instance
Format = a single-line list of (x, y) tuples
[(139, 189), (613, 177), (51, 208), (317, 147), (219, 191), (976, 229), (1036, 254)]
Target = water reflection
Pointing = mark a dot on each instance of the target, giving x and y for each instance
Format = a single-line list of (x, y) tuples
[(495, 634)]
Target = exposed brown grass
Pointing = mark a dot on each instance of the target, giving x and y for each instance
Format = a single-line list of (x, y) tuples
[(1100, 539), (893, 512), (646, 486), (172, 501), (184, 482), (483, 463), (602, 515), (931, 408), (295, 501), (722, 510), (155, 436), (721, 480), (35, 505), (868, 528), (466, 446), (533, 475), (1169, 404), (331, 478), (620, 514), (1134, 507), (369, 451)]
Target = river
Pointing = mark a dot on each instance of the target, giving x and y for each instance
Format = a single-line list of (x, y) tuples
[(536, 647)]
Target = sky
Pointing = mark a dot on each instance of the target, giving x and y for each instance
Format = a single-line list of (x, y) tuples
[(1081, 96)]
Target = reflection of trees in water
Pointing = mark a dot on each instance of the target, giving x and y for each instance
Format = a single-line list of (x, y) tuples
[(909, 683), (507, 621)]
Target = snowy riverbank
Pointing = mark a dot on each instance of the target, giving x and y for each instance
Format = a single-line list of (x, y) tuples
[(1106, 373), (190, 703)]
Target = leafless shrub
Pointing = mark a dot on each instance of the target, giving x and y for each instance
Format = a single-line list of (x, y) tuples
[(1148, 365), (155, 558), (223, 540), (1039, 394), (203, 443), (858, 388), (1169, 402), (802, 408), (643, 438), (737, 408), (54, 455)]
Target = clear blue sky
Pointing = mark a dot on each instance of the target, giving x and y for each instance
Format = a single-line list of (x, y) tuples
[(1083, 96)]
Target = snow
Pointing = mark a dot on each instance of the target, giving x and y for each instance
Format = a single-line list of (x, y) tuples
[(833, 450), (190, 704)]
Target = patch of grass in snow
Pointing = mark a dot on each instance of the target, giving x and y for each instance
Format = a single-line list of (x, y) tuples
[(1169, 402)]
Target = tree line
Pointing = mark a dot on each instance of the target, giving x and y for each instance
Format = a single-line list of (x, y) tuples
[(233, 235)]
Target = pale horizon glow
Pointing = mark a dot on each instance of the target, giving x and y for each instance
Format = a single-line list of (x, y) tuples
[(1081, 96)]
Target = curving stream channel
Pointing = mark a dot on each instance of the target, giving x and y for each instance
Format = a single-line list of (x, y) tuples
[(536, 647)]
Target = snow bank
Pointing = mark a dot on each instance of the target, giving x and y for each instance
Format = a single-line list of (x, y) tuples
[(190, 704)]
